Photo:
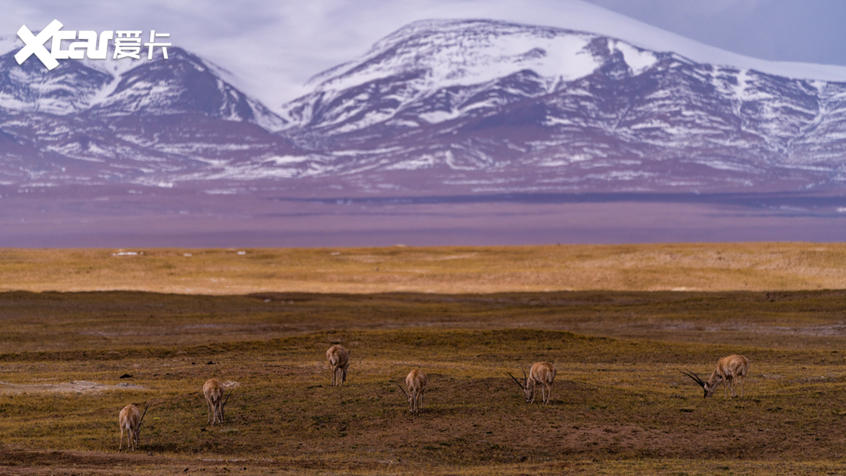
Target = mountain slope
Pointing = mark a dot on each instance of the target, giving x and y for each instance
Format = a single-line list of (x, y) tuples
[(156, 121), (437, 107), (495, 106)]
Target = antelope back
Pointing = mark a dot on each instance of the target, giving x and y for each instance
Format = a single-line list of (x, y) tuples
[(542, 372), (415, 380), (733, 366), (129, 416), (213, 390), (338, 356)]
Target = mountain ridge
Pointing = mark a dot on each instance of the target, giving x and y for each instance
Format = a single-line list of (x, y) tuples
[(439, 106), (642, 110)]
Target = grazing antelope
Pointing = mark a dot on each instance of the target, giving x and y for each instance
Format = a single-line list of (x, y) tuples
[(541, 373), (214, 392), (339, 360), (130, 419), (415, 381), (731, 368)]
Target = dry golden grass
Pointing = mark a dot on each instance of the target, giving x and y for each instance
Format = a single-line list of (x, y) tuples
[(711, 267)]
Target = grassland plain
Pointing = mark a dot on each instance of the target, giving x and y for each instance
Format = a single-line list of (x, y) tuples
[(620, 404), (649, 267)]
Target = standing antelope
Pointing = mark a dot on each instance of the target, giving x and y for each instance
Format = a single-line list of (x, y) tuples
[(130, 419), (339, 360), (728, 369), (415, 381), (541, 373), (214, 392)]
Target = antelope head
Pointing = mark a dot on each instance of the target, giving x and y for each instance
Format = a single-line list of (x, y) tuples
[(707, 387), (524, 385)]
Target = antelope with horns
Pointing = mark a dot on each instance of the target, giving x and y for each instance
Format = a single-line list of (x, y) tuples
[(216, 397), (415, 381), (339, 360), (130, 419), (540, 374), (731, 368)]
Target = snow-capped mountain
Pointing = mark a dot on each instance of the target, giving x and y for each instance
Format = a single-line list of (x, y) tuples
[(182, 84), (31, 88), (439, 106), (495, 106), (129, 121)]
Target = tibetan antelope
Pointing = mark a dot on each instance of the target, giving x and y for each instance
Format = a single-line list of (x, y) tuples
[(541, 373), (216, 398), (339, 360), (415, 381), (731, 368), (130, 419)]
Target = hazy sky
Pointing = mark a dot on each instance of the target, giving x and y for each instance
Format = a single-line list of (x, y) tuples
[(785, 30), (274, 46)]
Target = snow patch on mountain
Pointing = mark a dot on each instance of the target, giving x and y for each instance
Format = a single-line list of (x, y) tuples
[(639, 60)]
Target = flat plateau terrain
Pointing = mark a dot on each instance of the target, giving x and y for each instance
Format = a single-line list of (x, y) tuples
[(454, 270), (618, 322)]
